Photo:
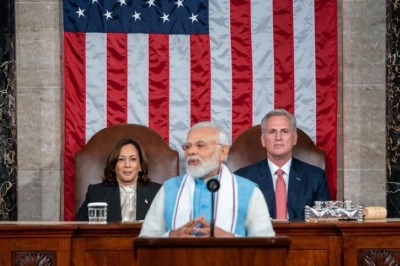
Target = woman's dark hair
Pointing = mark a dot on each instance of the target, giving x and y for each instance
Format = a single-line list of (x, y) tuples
[(109, 171)]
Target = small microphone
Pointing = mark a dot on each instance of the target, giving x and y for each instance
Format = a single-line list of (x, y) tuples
[(213, 186)]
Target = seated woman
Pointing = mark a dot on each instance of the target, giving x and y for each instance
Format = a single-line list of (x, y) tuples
[(126, 188)]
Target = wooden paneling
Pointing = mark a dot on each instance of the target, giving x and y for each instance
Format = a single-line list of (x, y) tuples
[(35, 244), (211, 251), (103, 250), (312, 243), (65, 243), (371, 243), (110, 244)]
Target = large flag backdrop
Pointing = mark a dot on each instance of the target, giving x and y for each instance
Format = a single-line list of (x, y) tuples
[(168, 64)]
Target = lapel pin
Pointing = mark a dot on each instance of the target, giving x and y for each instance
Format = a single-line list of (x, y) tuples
[(145, 200)]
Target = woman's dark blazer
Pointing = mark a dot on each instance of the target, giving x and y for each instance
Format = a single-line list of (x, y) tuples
[(110, 194)]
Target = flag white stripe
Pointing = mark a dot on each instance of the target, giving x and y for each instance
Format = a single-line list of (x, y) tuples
[(138, 79), (221, 62), (179, 100), (96, 83), (221, 72), (263, 91), (304, 66), (263, 58)]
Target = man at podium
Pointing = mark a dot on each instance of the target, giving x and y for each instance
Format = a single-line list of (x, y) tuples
[(185, 206)]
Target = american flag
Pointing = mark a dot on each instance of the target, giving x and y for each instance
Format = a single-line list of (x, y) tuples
[(168, 64)]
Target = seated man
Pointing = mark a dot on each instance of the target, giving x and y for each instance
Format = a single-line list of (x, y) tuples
[(182, 207), (302, 183)]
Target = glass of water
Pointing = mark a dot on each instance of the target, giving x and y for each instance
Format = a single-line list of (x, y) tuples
[(97, 212)]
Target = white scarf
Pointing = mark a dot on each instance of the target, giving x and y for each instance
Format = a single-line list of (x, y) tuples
[(226, 204)]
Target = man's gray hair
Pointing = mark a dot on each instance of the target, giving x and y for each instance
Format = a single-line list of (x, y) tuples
[(279, 112), (222, 137)]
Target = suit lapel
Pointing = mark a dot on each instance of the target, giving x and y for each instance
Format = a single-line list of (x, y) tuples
[(296, 177), (267, 187), (114, 207), (142, 201)]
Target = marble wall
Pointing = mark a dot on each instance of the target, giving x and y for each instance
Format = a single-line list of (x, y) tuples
[(39, 108), (363, 68), (8, 123), (361, 98), (393, 107)]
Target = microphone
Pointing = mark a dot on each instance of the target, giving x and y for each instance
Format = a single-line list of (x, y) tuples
[(213, 186)]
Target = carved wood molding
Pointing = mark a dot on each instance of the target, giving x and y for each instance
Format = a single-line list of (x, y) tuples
[(25, 258), (379, 258)]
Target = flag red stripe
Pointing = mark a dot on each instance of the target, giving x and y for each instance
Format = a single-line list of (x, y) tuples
[(117, 66), (242, 74), (283, 54), (159, 84), (200, 75), (326, 79), (75, 105), (200, 81)]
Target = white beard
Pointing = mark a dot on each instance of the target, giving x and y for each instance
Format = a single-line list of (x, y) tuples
[(205, 166)]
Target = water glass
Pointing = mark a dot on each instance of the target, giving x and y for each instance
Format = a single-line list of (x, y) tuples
[(97, 212)]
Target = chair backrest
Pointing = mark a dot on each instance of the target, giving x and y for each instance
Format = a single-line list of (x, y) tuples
[(163, 161), (247, 149)]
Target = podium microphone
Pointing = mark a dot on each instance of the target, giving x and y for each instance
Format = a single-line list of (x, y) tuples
[(213, 186)]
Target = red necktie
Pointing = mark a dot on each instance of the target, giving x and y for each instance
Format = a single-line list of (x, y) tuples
[(280, 196)]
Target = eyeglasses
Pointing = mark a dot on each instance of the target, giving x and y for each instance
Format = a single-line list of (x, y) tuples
[(200, 145)]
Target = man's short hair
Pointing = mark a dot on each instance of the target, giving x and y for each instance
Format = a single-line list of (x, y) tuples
[(279, 112), (222, 137)]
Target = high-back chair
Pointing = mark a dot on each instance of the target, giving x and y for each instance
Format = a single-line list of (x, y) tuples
[(247, 149), (90, 162)]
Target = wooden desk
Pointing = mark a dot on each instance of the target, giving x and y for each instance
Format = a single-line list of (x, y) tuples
[(312, 243), (64, 243), (67, 243), (35, 243), (109, 244), (342, 243), (371, 243)]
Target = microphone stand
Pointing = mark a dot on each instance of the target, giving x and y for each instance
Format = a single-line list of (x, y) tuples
[(212, 224), (213, 186)]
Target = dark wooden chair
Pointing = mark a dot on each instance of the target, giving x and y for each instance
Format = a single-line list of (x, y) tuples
[(90, 161), (247, 149)]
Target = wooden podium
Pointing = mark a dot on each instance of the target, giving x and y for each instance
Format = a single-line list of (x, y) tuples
[(211, 251)]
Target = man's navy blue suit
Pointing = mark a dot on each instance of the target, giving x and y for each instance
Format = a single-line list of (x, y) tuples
[(307, 183)]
